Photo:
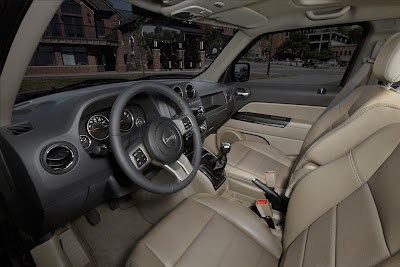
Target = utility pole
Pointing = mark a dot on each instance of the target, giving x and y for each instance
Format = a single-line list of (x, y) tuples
[(270, 55)]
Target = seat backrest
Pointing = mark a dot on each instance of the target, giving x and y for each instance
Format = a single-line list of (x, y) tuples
[(361, 113), (346, 213)]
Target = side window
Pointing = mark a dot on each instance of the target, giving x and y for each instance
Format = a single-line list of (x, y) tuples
[(308, 56)]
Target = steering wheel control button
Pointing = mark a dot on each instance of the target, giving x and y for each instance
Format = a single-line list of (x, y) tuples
[(139, 157), (139, 121), (187, 123)]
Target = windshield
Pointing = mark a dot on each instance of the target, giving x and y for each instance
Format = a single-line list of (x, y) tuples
[(102, 40)]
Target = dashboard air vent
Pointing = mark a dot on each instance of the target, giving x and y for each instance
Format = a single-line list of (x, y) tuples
[(59, 158), (20, 128), (190, 91), (178, 90)]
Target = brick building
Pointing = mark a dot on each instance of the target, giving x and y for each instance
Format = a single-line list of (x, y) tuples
[(344, 52), (141, 54), (80, 38), (265, 44)]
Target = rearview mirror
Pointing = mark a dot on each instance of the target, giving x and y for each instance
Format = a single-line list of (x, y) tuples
[(162, 33), (241, 72)]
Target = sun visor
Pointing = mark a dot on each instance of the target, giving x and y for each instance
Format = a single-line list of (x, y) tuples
[(248, 17), (318, 2)]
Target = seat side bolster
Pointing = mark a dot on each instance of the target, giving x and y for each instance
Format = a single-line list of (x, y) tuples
[(238, 215), (365, 122)]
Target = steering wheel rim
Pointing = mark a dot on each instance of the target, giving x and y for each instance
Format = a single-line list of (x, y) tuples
[(126, 160)]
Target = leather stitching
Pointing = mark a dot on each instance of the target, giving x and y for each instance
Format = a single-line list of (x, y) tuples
[(271, 156), (354, 167), (305, 246), (253, 214), (336, 232), (343, 124), (383, 232), (135, 265), (191, 243)]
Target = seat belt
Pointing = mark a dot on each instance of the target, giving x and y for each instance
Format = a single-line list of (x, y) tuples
[(362, 77)]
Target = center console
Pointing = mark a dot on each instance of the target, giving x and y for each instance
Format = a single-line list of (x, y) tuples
[(213, 167)]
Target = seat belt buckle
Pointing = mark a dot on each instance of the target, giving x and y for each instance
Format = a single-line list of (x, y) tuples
[(264, 207), (270, 179)]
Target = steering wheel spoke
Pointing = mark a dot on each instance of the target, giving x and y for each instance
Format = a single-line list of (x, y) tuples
[(138, 154), (180, 168), (158, 142), (184, 123)]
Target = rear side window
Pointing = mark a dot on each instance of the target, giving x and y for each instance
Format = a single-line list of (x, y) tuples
[(308, 56)]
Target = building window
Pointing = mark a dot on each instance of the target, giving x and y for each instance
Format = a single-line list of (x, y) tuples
[(74, 55), (100, 30), (54, 28), (349, 52), (71, 7), (73, 26), (132, 42), (345, 52), (44, 56), (341, 52)]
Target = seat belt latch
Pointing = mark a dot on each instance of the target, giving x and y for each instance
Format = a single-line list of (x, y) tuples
[(270, 179), (264, 207)]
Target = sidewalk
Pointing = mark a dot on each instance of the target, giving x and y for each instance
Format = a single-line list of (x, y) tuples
[(107, 74)]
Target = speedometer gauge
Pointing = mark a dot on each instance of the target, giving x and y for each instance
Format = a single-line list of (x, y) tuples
[(127, 120), (97, 127)]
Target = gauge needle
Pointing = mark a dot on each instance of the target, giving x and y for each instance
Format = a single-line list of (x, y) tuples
[(94, 129)]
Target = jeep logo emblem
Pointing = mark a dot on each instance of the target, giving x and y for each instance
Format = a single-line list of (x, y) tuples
[(169, 138)]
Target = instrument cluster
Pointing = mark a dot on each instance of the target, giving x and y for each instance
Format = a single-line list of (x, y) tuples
[(94, 128)]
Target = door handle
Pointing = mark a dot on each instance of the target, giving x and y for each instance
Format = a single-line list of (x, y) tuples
[(242, 94)]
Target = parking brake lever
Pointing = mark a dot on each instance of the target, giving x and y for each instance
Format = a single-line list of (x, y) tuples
[(277, 202)]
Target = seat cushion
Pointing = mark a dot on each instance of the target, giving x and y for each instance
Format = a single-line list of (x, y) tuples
[(208, 230), (248, 160)]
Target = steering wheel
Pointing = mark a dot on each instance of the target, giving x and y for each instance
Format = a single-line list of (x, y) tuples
[(160, 142)]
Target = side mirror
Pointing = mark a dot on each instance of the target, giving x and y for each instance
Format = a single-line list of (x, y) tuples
[(241, 72), (162, 33)]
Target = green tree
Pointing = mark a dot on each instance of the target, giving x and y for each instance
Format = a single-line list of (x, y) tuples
[(326, 54), (344, 30), (213, 39), (296, 46), (355, 35)]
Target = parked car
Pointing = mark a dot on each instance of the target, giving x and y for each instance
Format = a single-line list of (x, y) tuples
[(308, 64), (322, 65), (332, 62)]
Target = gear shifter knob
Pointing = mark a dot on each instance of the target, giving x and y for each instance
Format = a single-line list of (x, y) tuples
[(225, 148), (222, 160)]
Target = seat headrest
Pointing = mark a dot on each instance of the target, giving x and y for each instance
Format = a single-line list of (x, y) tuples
[(387, 63)]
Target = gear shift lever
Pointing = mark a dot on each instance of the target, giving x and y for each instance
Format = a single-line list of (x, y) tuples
[(222, 160)]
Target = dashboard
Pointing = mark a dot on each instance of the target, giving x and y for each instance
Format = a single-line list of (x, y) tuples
[(55, 157)]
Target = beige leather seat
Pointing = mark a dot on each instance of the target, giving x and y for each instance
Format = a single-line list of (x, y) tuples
[(344, 213), (335, 133)]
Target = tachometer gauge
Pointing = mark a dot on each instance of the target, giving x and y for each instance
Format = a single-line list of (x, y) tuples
[(97, 127), (85, 141), (127, 120)]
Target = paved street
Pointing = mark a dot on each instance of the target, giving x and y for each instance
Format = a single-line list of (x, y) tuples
[(298, 75)]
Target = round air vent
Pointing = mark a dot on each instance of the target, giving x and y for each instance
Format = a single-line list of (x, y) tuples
[(190, 91), (59, 158), (178, 90)]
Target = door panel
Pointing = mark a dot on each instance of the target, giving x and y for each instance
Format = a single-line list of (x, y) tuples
[(283, 126)]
